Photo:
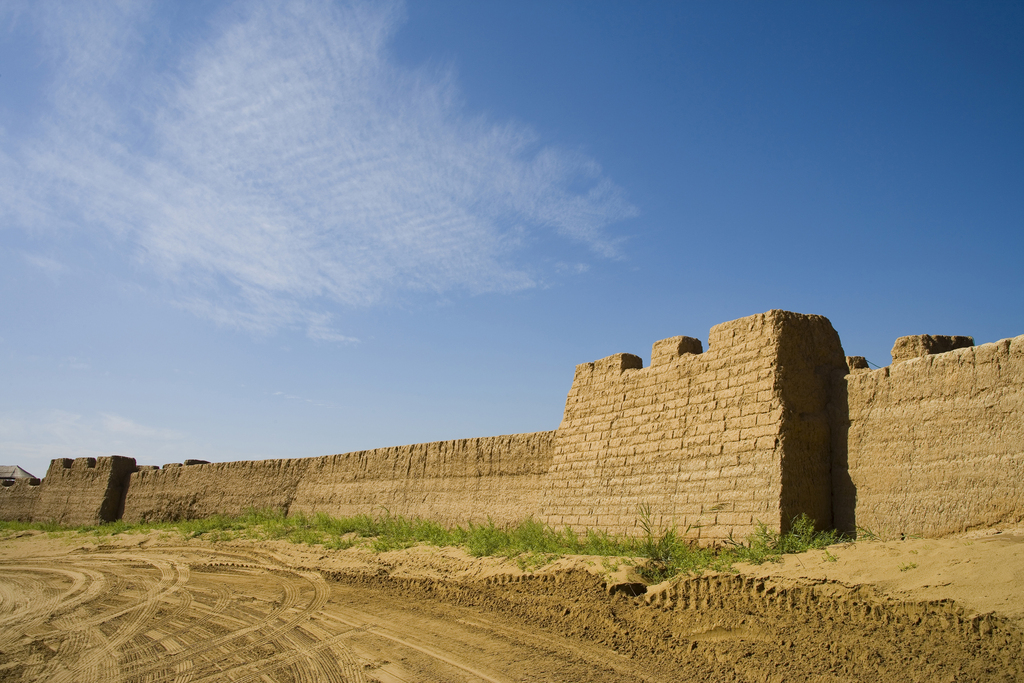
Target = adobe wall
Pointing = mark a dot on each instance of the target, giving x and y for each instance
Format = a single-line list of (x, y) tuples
[(715, 441), (18, 501), (195, 491), (771, 421), (936, 440), (83, 491), (448, 481), (452, 482)]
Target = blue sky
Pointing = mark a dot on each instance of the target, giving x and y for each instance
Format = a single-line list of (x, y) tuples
[(250, 230)]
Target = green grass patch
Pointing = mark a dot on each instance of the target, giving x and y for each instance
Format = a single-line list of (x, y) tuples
[(765, 545), (658, 553), (9, 528)]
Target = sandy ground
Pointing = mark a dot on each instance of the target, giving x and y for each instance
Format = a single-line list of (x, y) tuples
[(982, 571), (157, 608)]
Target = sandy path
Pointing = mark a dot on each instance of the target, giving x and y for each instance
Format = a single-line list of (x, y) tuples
[(198, 614), (151, 609)]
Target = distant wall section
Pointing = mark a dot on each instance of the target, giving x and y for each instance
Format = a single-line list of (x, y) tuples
[(448, 481), (936, 440), (452, 482), (18, 501)]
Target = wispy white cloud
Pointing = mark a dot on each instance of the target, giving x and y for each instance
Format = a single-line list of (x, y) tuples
[(73, 363), (302, 399), (33, 438), (284, 165), (52, 268), (118, 424)]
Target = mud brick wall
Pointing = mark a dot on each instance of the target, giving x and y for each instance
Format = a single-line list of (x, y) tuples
[(448, 481), (715, 441), (452, 482), (84, 490), (18, 501), (936, 442), (195, 491), (770, 422)]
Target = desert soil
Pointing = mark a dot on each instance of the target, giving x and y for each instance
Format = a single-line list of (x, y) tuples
[(157, 608)]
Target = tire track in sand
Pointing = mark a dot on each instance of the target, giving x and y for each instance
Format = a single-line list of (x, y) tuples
[(263, 632), (101, 660)]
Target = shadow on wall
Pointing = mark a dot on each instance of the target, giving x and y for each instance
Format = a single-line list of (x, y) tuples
[(844, 491)]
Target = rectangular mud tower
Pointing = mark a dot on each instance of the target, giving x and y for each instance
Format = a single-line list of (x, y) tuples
[(712, 442)]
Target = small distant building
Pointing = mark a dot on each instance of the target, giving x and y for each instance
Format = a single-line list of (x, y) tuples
[(10, 473)]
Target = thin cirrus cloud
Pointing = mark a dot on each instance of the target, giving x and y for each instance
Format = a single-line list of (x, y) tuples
[(283, 166), (34, 438), (118, 424)]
